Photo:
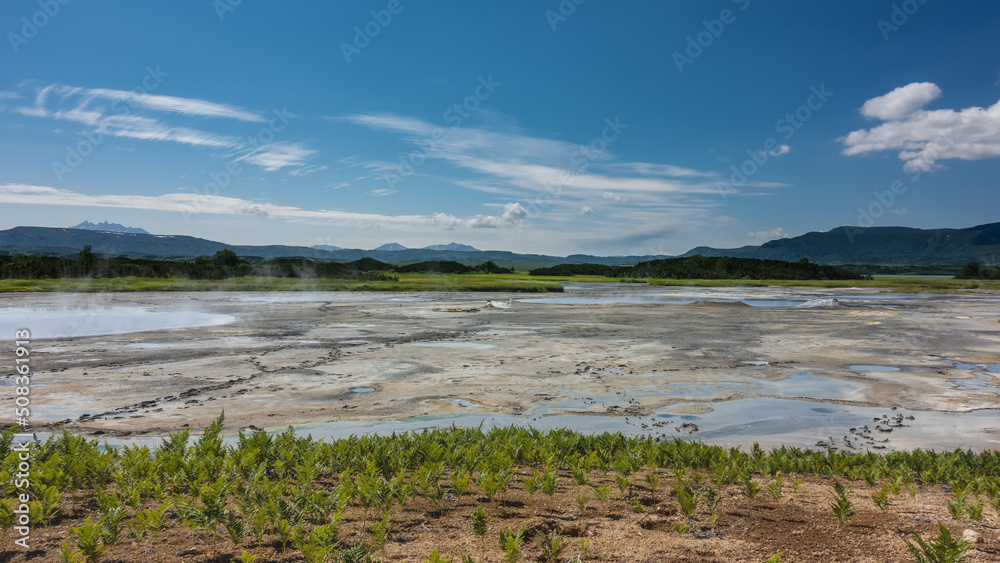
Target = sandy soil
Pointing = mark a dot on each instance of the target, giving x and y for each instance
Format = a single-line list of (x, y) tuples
[(638, 367)]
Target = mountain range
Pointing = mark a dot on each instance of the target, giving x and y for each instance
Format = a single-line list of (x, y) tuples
[(68, 242), (887, 246), (110, 227), (395, 246)]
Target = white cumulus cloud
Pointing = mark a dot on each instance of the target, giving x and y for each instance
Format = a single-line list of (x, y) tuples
[(783, 149), (901, 102), (924, 137), (768, 234), (513, 214)]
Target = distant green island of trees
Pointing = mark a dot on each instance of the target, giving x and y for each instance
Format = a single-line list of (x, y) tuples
[(224, 264), (705, 267)]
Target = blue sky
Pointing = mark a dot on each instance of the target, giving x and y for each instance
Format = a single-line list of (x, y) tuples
[(541, 126)]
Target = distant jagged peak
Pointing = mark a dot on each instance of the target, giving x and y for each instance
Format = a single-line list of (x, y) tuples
[(110, 227), (453, 246), (391, 246)]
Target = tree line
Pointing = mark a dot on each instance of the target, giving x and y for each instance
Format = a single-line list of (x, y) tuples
[(977, 271), (224, 264), (706, 267)]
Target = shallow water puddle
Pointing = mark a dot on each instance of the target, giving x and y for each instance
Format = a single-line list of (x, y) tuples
[(769, 421), (806, 384), (297, 297), (866, 367), (771, 302), (982, 383), (655, 300), (633, 299), (991, 368), (469, 345), (362, 389), (68, 322), (799, 384)]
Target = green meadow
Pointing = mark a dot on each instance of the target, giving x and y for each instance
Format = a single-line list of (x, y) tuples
[(466, 282)]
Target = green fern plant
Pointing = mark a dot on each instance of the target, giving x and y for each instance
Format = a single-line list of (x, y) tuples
[(653, 480), (89, 539), (582, 503), (510, 542), (602, 493), (7, 519), (623, 485), (380, 532), (530, 484), (775, 486), (436, 557), (687, 498), (236, 529), (956, 508), (975, 509), (944, 548), (550, 482), (712, 499), (881, 498), (752, 489), (552, 545), (460, 481), (842, 506), (479, 520), (69, 555)]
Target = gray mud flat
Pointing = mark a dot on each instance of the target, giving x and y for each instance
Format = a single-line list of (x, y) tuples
[(727, 365)]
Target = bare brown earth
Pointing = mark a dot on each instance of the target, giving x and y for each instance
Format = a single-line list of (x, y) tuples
[(800, 525)]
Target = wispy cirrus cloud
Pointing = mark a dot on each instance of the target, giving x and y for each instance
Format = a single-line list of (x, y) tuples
[(149, 117), (561, 180), (537, 164), (307, 170), (669, 170), (925, 137)]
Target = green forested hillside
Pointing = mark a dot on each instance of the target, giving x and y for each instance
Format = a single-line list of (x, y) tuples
[(878, 246)]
